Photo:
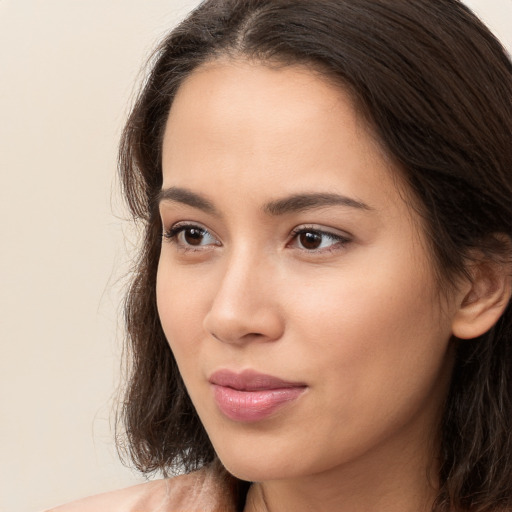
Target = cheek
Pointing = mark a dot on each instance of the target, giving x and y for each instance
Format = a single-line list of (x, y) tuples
[(367, 303), (177, 307), (373, 354), (183, 298), (376, 324)]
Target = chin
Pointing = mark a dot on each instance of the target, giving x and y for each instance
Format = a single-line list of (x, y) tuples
[(259, 464), (257, 471)]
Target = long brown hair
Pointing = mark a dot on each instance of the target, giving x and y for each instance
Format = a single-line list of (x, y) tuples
[(436, 87)]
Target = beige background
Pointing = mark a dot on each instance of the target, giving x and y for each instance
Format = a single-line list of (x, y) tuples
[(68, 68)]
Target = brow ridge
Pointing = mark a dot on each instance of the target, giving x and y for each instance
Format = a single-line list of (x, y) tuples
[(291, 204), (185, 196), (303, 202)]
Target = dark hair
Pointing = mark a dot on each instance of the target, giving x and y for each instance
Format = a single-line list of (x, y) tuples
[(436, 87)]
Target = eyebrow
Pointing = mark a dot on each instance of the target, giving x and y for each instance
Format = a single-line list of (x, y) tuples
[(292, 204), (302, 202), (184, 196)]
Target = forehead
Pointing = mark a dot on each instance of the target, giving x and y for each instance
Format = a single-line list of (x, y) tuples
[(252, 110), (242, 125)]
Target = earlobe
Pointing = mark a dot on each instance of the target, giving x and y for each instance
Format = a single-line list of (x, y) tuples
[(483, 300)]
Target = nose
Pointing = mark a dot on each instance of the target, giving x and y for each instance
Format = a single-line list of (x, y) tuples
[(245, 307)]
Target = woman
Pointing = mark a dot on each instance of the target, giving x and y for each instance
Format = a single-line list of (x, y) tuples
[(320, 318)]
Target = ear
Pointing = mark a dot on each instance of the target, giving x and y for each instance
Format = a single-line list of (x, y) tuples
[(483, 299)]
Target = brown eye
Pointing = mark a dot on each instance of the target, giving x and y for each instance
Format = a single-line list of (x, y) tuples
[(190, 236), (316, 240), (193, 236), (310, 240)]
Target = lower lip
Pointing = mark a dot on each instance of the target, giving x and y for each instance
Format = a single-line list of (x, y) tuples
[(251, 406)]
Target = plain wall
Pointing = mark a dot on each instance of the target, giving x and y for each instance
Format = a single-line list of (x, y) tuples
[(68, 69)]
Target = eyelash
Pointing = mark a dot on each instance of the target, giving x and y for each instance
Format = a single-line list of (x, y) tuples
[(339, 241)]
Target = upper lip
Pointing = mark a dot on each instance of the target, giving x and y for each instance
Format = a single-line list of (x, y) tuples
[(250, 380)]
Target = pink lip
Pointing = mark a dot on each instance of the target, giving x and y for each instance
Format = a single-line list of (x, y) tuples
[(250, 396)]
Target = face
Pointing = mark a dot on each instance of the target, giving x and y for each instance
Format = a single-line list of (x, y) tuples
[(294, 286)]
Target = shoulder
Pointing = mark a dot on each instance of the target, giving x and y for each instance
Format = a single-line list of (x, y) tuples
[(207, 490)]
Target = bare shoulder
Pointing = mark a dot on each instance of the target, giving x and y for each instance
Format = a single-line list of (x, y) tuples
[(147, 495), (203, 490)]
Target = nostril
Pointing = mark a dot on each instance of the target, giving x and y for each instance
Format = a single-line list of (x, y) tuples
[(242, 339)]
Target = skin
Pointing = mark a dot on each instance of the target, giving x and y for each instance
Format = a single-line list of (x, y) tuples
[(359, 320)]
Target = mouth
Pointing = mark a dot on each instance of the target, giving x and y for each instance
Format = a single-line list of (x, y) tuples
[(251, 396)]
